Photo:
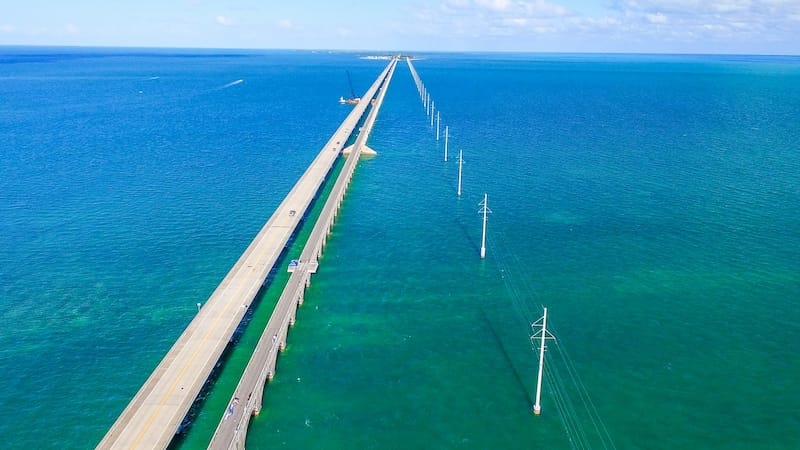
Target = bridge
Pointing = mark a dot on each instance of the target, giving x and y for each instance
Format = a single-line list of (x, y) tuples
[(154, 414), (246, 400)]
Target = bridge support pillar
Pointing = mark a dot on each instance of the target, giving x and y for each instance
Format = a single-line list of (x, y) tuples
[(259, 397)]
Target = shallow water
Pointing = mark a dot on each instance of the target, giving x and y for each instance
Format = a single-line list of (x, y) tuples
[(651, 202)]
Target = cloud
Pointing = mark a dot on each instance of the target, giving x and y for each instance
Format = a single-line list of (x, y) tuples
[(71, 28), (715, 27), (630, 25), (496, 18), (224, 21), (535, 8), (731, 5), (450, 8), (542, 8), (7, 28), (656, 18), (517, 21), (696, 8), (594, 23), (285, 24), (496, 5), (729, 18), (457, 3)]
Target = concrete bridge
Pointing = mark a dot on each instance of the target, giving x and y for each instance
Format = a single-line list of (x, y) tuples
[(154, 414), (247, 398)]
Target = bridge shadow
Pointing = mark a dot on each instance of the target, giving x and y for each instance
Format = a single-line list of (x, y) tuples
[(508, 359)]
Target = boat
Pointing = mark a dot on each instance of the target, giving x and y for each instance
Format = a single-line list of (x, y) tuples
[(349, 101), (352, 100)]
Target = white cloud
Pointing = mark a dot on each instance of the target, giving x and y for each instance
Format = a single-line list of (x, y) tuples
[(456, 4), (727, 6), (740, 21), (594, 23), (694, 8), (714, 27), (71, 28), (7, 28), (224, 21), (517, 22), (669, 6), (285, 24), (495, 5), (656, 18), (544, 8), (344, 32), (628, 25)]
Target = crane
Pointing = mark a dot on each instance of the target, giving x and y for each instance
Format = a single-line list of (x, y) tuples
[(352, 100)]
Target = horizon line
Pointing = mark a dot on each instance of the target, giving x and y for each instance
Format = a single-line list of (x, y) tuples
[(378, 51)]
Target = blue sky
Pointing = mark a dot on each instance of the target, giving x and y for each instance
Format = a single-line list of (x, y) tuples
[(657, 26)]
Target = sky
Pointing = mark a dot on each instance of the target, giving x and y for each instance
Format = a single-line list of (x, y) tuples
[(605, 26)]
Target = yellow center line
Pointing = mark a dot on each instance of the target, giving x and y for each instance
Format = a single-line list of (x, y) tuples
[(198, 348), (186, 365)]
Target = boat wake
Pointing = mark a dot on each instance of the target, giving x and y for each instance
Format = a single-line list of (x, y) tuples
[(232, 83)]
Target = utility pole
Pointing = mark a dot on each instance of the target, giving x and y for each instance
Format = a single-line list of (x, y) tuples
[(446, 137), (485, 210), (428, 110), (460, 164), (542, 335)]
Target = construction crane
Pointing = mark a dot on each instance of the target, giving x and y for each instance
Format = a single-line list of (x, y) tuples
[(352, 100)]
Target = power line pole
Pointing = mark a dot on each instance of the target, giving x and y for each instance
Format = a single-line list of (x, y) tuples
[(460, 164), (427, 103), (446, 138), (485, 210), (542, 335)]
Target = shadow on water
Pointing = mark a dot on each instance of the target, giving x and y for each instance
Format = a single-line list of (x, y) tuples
[(463, 227), (300, 233), (508, 359), (186, 424)]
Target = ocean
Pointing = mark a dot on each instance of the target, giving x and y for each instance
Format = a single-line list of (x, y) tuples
[(650, 202)]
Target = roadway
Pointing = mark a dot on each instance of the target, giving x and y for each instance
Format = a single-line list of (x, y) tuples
[(246, 400), (154, 414)]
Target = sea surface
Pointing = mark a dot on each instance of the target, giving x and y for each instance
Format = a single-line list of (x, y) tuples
[(650, 202)]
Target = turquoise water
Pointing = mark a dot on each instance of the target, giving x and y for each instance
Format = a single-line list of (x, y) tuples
[(652, 203)]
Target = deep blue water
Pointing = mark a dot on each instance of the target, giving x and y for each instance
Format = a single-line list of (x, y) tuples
[(651, 202)]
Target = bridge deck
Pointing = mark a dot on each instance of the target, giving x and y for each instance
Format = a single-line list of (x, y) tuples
[(151, 419), (246, 400)]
